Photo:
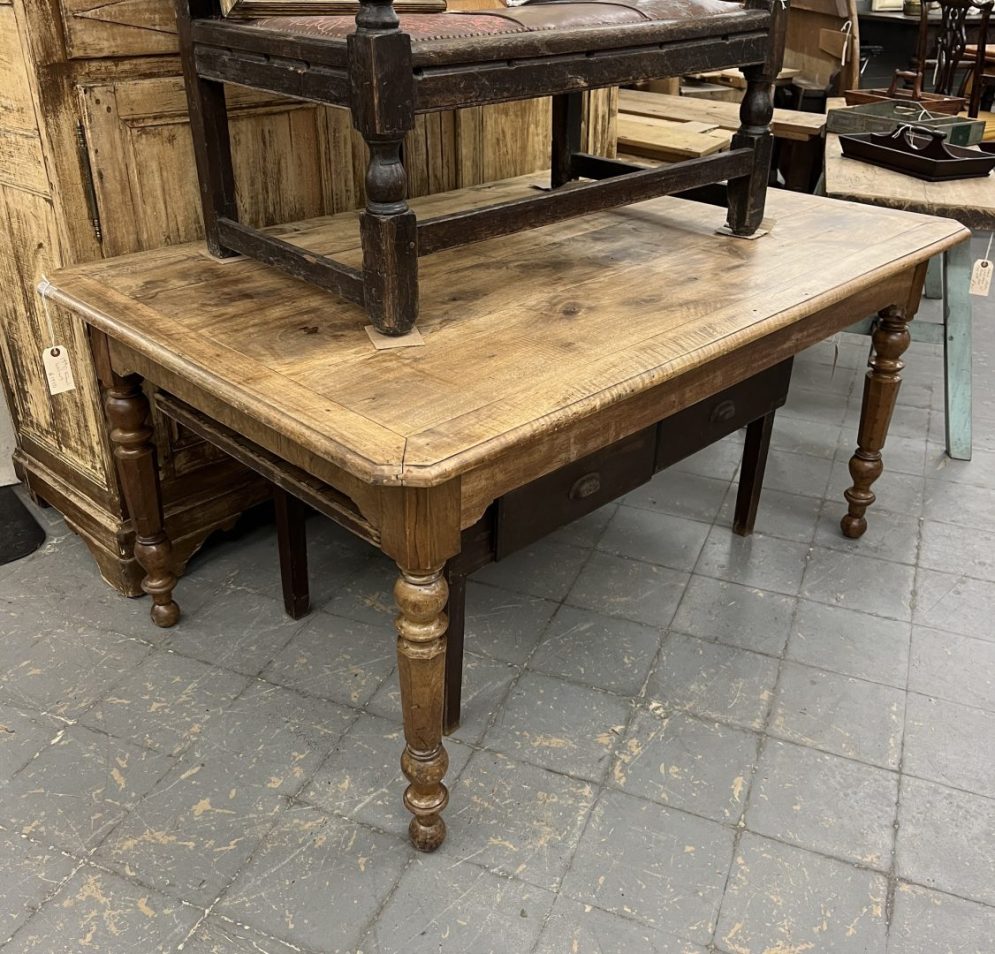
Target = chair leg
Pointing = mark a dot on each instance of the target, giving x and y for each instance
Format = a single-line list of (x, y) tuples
[(291, 535), (456, 578), (957, 350), (751, 477), (568, 129), (209, 128)]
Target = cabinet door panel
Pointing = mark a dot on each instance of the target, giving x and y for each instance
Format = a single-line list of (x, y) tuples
[(144, 172), (96, 28), (70, 424)]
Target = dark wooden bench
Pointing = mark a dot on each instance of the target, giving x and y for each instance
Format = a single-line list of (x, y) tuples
[(387, 69)]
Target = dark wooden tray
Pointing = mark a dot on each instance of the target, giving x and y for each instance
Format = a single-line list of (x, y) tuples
[(919, 152)]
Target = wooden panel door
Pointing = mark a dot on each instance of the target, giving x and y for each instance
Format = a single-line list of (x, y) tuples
[(292, 160), (97, 28)]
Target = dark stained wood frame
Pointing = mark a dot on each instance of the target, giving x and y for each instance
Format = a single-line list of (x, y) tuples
[(385, 82)]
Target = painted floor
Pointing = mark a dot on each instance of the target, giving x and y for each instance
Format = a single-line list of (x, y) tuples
[(675, 740)]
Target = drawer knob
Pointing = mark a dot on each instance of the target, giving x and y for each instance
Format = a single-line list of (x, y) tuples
[(724, 411), (586, 486)]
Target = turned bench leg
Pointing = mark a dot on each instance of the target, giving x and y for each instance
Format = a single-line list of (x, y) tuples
[(891, 339), (421, 664), (751, 475), (132, 436)]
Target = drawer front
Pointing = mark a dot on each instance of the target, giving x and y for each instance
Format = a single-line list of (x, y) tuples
[(529, 513), (694, 428)]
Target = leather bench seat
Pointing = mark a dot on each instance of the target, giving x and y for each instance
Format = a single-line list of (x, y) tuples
[(541, 27)]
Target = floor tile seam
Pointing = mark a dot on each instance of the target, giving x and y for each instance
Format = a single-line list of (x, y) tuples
[(962, 574), (892, 619), (50, 896), (760, 748), (951, 632), (935, 697), (881, 873), (785, 657), (297, 947), (516, 679), (893, 871)]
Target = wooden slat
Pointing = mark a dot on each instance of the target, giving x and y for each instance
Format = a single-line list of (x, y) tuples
[(787, 123), (460, 228), (668, 140)]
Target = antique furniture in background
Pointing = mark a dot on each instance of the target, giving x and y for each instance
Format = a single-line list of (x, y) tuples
[(944, 63), (970, 202), (569, 340), (96, 160), (389, 71)]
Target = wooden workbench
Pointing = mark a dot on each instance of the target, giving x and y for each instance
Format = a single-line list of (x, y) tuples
[(539, 349)]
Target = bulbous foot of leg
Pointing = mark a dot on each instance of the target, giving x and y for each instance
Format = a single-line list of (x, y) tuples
[(165, 615), (428, 837), (853, 527)]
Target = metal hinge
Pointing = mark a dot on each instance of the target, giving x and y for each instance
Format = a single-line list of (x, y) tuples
[(89, 185)]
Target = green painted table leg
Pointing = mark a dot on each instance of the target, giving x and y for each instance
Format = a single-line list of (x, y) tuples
[(957, 349), (934, 279)]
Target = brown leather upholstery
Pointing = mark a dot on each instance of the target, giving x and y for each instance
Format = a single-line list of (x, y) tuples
[(545, 16)]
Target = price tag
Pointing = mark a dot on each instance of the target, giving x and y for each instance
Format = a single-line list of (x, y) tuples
[(58, 370), (981, 277)]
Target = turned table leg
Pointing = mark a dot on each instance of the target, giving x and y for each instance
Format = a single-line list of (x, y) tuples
[(421, 663), (134, 453), (891, 339)]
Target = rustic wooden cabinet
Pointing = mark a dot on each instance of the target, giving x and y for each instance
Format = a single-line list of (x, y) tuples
[(96, 161)]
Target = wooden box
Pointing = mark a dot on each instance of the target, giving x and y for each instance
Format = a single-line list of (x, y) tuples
[(891, 114)]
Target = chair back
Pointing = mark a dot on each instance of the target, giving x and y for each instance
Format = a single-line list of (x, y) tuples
[(953, 70)]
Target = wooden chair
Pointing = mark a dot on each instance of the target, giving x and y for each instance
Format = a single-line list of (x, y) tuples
[(387, 69), (958, 67)]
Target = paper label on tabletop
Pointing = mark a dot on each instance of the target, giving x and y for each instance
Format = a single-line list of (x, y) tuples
[(58, 370), (981, 277)]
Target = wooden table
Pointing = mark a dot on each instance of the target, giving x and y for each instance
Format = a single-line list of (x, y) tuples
[(970, 202), (650, 125), (539, 349)]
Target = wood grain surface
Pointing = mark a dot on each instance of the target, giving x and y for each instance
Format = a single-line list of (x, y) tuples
[(970, 201), (525, 336)]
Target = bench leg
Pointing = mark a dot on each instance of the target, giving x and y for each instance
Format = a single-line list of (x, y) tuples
[(211, 137), (751, 477), (456, 579), (891, 340), (291, 536), (957, 350), (568, 127), (748, 196)]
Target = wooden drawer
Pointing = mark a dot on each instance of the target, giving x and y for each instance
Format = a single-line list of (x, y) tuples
[(694, 428), (529, 513)]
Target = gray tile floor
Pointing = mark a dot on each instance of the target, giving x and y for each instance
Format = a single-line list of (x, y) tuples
[(675, 740)]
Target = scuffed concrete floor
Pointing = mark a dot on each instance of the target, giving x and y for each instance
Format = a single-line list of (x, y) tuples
[(675, 740)]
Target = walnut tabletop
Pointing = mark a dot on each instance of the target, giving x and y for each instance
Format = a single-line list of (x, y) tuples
[(970, 201), (540, 350)]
